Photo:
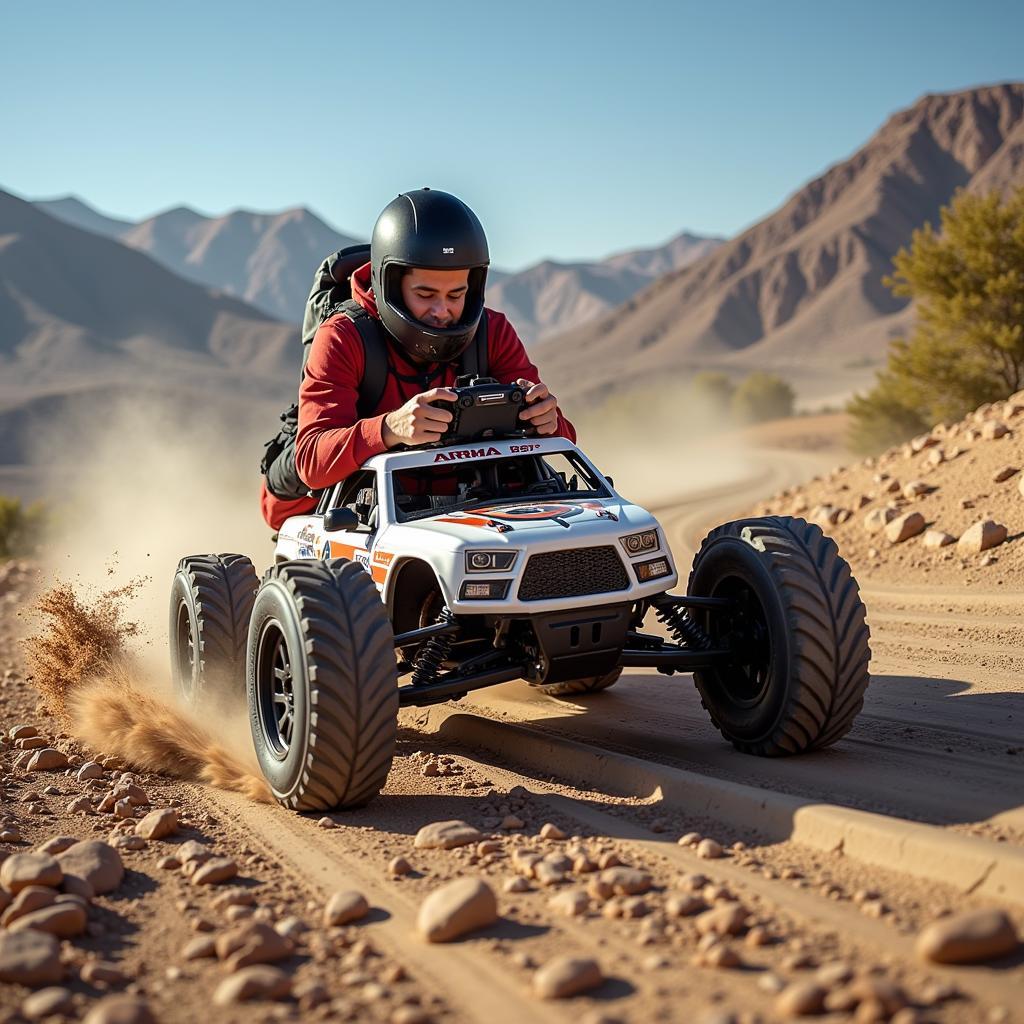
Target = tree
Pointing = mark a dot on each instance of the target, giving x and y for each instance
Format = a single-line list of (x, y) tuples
[(762, 396), (713, 388), (967, 347)]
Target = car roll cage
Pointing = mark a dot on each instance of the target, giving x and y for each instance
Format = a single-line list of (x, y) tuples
[(691, 651)]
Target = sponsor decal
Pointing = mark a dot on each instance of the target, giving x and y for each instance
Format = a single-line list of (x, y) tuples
[(363, 558), (383, 557), (501, 517), (466, 453), (326, 553)]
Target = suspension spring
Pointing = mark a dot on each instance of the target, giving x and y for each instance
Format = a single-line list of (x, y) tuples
[(683, 628), (433, 654)]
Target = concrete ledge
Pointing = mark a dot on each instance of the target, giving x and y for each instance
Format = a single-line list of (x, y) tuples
[(968, 864)]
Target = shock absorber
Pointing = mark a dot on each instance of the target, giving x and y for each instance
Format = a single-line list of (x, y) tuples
[(682, 626), (433, 654)]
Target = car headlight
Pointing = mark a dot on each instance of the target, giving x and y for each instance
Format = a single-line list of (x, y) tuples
[(653, 570), (640, 543), (489, 561)]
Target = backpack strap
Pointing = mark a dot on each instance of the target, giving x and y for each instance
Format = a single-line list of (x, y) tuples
[(375, 357), (475, 359)]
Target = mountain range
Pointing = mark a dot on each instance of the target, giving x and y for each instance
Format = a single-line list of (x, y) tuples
[(801, 291)]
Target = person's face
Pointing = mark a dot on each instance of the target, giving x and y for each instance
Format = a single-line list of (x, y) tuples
[(435, 297)]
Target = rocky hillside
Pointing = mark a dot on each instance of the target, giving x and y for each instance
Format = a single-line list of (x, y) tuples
[(946, 508), (801, 292)]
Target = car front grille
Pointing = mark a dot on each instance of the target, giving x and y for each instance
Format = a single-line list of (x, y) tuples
[(573, 573)]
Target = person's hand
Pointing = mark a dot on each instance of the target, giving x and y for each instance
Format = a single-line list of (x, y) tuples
[(541, 410), (418, 422)]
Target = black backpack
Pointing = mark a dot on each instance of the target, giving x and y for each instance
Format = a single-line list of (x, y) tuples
[(331, 294)]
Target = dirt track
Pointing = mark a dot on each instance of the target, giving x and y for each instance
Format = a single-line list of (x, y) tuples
[(939, 742)]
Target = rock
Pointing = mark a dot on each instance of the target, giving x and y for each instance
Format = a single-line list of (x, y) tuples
[(510, 821), (259, 982), (1005, 473), (937, 539), (918, 444), (192, 851), (728, 919), (234, 898), (824, 515), (158, 824), (95, 862), (326, 822), (992, 430), (800, 999), (937, 456), (124, 808), (571, 902), (345, 907), (47, 759), (548, 874), (903, 527), (30, 958), (708, 849), (127, 790), (81, 805), (517, 884), (457, 908), (399, 866), (608, 860), (876, 991), (835, 973), (551, 831), (120, 1010), (289, 927), (566, 976), (981, 536), (626, 881), (915, 488), (32, 897), (128, 843), (75, 886), (252, 942), (21, 870), (310, 993), (966, 938), (524, 861), (47, 1002), (878, 518), (65, 920), (22, 732), (58, 844), (446, 835), (721, 956), (679, 905), (199, 948), (214, 871), (89, 770), (103, 974)]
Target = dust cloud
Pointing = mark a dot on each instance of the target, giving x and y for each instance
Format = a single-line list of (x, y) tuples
[(149, 486)]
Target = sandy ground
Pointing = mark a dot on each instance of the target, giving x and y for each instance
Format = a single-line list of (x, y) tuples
[(939, 741)]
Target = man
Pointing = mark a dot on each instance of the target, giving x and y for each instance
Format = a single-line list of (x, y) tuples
[(425, 284)]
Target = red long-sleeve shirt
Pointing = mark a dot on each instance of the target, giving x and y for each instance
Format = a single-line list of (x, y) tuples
[(332, 442)]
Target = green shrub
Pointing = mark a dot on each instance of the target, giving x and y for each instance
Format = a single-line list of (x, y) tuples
[(762, 396), (713, 388), (21, 528)]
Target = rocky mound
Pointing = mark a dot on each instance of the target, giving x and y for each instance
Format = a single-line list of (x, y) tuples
[(947, 507)]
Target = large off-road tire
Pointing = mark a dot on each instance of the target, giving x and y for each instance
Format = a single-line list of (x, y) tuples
[(569, 687), (801, 620), (211, 601), (322, 684)]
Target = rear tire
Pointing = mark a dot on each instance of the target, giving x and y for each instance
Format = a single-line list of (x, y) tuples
[(322, 684), (570, 687), (211, 601), (801, 621)]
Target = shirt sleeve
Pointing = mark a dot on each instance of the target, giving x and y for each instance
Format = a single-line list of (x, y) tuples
[(508, 362), (332, 442)]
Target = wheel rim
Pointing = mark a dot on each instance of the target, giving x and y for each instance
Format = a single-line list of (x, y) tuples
[(186, 650), (743, 628), (275, 685)]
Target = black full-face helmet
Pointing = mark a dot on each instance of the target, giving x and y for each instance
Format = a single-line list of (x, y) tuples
[(436, 231)]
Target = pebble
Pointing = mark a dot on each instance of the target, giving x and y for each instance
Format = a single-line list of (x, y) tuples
[(801, 999), (992, 430), (971, 937), (21, 732), (721, 956), (81, 805), (681, 905), (708, 849), (345, 907), (937, 539), (258, 982), (192, 851), (517, 884), (158, 824), (326, 822), (252, 942), (95, 862), (571, 902), (21, 870), (129, 843), (903, 527), (552, 831), (510, 821), (89, 770), (399, 866), (566, 976), (728, 919), (1005, 473), (981, 536), (878, 518), (32, 897), (446, 835), (626, 881), (120, 1010), (30, 958), (690, 839), (457, 908), (103, 974), (200, 947), (214, 871), (47, 759), (47, 1002)]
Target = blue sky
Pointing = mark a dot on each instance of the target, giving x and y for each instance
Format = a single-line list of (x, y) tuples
[(573, 129)]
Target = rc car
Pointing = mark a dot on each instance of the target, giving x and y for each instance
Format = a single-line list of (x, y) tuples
[(494, 556)]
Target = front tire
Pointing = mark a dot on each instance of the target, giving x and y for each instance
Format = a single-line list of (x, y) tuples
[(800, 624), (322, 684), (211, 601)]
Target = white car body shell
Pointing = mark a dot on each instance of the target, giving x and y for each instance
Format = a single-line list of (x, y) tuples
[(442, 540)]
